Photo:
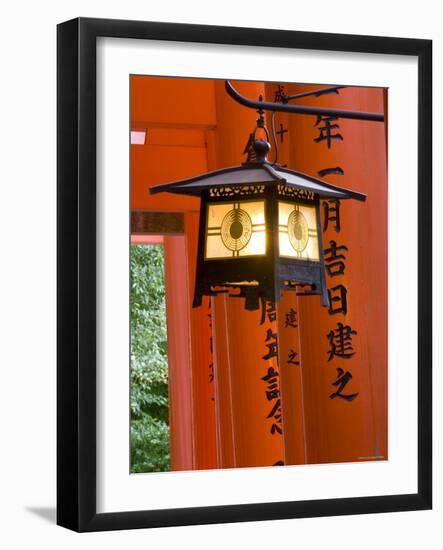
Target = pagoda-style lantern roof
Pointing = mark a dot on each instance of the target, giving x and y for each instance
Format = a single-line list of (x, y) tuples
[(251, 174)]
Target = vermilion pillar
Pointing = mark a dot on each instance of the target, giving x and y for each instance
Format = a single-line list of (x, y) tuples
[(179, 356), (191, 384), (248, 404), (200, 320), (291, 379), (345, 381), (249, 360), (288, 317), (175, 148), (226, 457)]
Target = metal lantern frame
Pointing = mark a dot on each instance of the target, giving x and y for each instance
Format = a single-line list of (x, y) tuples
[(261, 277)]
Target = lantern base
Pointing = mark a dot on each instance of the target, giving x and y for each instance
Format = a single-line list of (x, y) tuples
[(268, 289)]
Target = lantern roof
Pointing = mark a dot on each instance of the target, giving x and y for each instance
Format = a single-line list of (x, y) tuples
[(256, 172)]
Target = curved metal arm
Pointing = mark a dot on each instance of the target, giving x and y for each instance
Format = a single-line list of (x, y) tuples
[(317, 93), (300, 109)]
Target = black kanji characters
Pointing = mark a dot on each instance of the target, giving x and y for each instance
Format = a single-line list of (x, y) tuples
[(338, 302), (326, 132), (291, 318), (272, 346), (273, 394), (343, 378), (292, 358), (331, 210), (334, 260), (340, 342)]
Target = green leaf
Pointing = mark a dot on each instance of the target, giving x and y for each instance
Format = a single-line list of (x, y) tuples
[(149, 361)]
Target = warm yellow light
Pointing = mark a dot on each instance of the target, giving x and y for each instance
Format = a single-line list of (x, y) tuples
[(297, 231), (235, 229)]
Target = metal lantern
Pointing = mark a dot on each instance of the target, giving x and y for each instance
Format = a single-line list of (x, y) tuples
[(260, 228)]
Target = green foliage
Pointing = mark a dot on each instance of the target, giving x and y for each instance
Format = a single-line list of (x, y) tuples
[(149, 363)]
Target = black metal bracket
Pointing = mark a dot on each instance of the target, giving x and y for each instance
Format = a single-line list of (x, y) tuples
[(316, 93), (300, 109)]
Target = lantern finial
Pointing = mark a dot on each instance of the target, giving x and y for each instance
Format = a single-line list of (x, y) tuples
[(261, 148)]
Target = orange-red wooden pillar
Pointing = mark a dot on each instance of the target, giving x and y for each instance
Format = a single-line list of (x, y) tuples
[(191, 388), (200, 320), (176, 148), (248, 405), (191, 403), (179, 357), (345, 390), (291, 379), (288, 317)]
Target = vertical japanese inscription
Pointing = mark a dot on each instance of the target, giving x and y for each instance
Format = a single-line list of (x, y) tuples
[(340, 337), (271, 378), (211, 364)]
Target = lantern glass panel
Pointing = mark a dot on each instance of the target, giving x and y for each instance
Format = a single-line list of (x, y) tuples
[(235, 229), (298, 231)]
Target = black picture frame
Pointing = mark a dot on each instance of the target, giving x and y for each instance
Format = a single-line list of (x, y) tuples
[(76, 264)]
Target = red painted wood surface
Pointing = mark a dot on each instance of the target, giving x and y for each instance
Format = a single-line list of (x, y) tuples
[(338, 430), (241, 342), (147, 239), (241, 366), (175, 147), (226, 455), (291, 379), (179, 356), (205, 455)]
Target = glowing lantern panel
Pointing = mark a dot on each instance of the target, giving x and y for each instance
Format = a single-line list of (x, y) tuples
[(298, 231), (235, 230)]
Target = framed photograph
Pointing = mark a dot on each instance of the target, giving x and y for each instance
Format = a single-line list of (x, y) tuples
[(244, 274)]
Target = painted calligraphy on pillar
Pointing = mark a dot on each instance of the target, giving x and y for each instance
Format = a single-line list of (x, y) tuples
[(268, 310), (292, 358), (328, 171), (340, 337), (291, 318), (282, 132), (272, 344), (331, 211), (338, 302), (335, 255), (279, 94), (211, 364), (340, 342), (271, 378), (328, 130), (334, 259), (342, 380), (273, 395)]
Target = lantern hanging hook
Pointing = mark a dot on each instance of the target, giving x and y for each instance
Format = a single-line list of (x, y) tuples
[(257, 148), (260, 123)]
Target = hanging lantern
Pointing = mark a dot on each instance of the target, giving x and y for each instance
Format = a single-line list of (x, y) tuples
[(260, 228)]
